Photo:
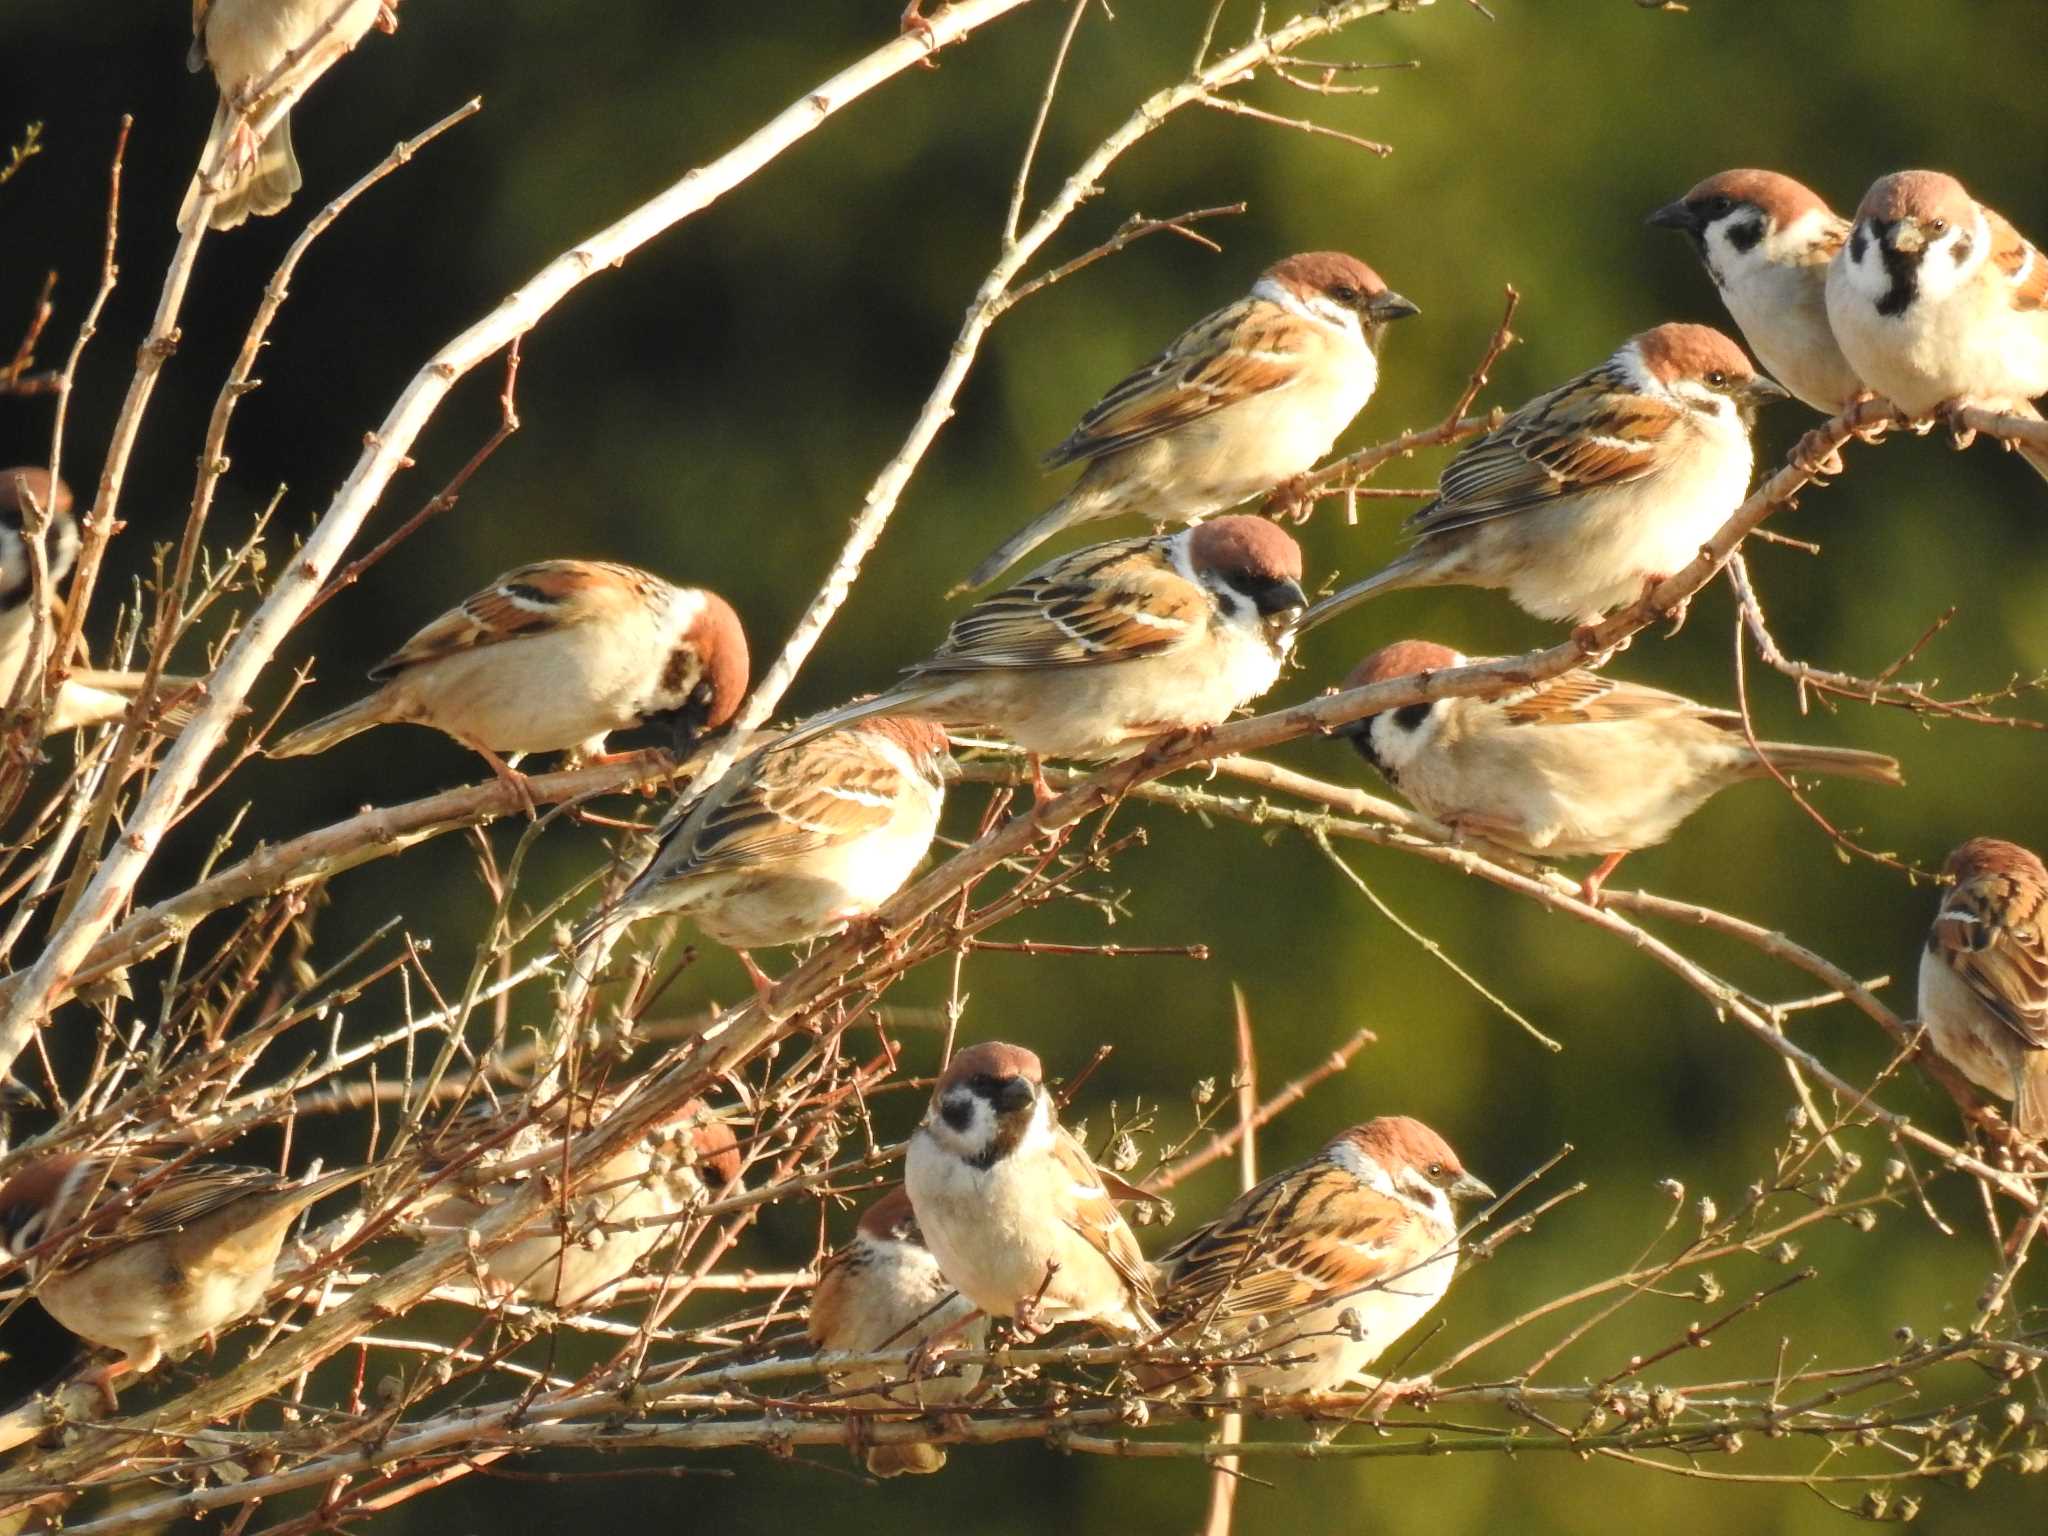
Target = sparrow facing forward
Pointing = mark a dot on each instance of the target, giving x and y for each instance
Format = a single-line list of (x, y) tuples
[(196, 1250), (1581, 764), (1766, 240), (882, 1290), (1019, 1218), (1984, 976), (1938, 301), (1241, 401), (1587, 494), (1367, 1227), (554, 657)]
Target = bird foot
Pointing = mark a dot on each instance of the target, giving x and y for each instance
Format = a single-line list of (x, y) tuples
[(913, 20), (387, 17), (1391, 1390), (1291, 499), (1950, 414), (1815, 456), (512, 779), (1589, 888)]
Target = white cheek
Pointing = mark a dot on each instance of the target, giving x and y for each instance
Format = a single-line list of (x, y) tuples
[(1940, 273), (1867, 275)]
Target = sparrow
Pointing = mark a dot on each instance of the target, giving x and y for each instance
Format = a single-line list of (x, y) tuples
[(618, 1215), (1021, 1221), (555, 656), (1984, 976), (1587, 495), (1238, 403), (1367, 1227), (248, 42), (883, 1290), (1937, 301), (791, 845), (1582, 764), (192, 1251), (88, 695), (1767, 240), (1112, 645)]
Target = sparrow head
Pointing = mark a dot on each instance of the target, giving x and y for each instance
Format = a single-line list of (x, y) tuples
[(704, 677), (19, 489), (1992, 856), (891, 1219), (1915, 232), (1336, 288), (1738, 218), (713, 1146), (922, 741), (1404, 1158), (29, 1201), (989, 1102), (1700, 369), (1392, 739), (1251, 566)]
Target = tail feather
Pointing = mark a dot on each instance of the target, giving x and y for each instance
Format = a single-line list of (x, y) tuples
[(331, 730), (264, 187), (897, 701), (1394, 577), (894, 1460), (1069, 509), (1833, 762), (91, 696), (2030, 1095)]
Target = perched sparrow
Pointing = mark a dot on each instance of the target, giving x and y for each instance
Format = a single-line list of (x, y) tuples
[(1018, 1217), (1937, 301), (1588, 493), (247, 42), (555, 656), (1365, 1227), (1984, 976), (1581, 764), (195, 1251), (1766, 241), (1242, 400), (793, 844), (1112, 645), (883, 1290), (676, 1166)]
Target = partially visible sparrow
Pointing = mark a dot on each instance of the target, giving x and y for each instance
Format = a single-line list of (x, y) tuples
[(246, 42), (792, 844), (1019, 1218), (1766, 241), (1309, 1276), (1586, 495), (882, 1290), (1938, 301), (1113, 645), (1242, 400), (1984, 976), (194, 1251), (1582, 764), (554, 657)]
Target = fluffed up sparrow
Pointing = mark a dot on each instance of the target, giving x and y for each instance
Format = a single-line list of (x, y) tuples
[(1587, 494), (554, 657), (1766, 240), (1019, 1218), (246, 42), (1937, 301), (882, 1290), (1311, 1275), (1984, 976), (1241, 401), (1583, 764), (193, 1251)]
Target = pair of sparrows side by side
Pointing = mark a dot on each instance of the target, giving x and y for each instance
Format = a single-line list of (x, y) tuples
[(1243, 401)]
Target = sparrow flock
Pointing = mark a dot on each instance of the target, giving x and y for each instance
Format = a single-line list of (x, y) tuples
[(1571, 505)]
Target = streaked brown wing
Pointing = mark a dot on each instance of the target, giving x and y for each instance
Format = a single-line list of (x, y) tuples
[(549, 594), (2016, 257), (1586, 698), (1990, 929), (826, 791), (1106, 603), (1095, 1216)]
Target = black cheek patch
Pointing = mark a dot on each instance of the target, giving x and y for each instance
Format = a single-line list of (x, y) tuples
[(1858, 244), (1744, 236), (1961, 250), (1410, 716), (957, 1113)]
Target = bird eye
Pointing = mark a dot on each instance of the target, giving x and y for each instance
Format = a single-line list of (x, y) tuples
[(1717, 378), (1435, 1171), (1344, 294), (1720, 205), (1937, 225)]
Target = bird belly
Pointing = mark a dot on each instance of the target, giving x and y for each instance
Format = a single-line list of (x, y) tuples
[(245, 39), (1320, 1352), (1783, 315), (534, 694), (1964, 1032), (996, 1236)]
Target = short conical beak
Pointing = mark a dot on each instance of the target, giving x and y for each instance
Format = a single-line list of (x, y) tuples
[(1764, 391), (1390, 306), (1674, 216), (1283, 600), (1470, 1188)]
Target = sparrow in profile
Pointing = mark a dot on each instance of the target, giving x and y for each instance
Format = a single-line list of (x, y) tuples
[(1587, 495), (1307, 1278), (1937, 301), (1112, 645), (883, 1290), (248, 42), (147, 1262), (1767, 240), (1984, 976), (1241, 401), (1580, 765), (1021, 1221), (554, 657)]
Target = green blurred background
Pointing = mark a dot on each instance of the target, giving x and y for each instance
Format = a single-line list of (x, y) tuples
[(716, 409)]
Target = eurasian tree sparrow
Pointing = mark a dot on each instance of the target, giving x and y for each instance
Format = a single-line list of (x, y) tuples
[(1366, 1227), (553, 657), (196, 1249), (1938, 301), (1984, 976), (882, 1290), (1587, 494), (1010, 1205), (1241, 401), (1766, 240), (1580, 765)]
